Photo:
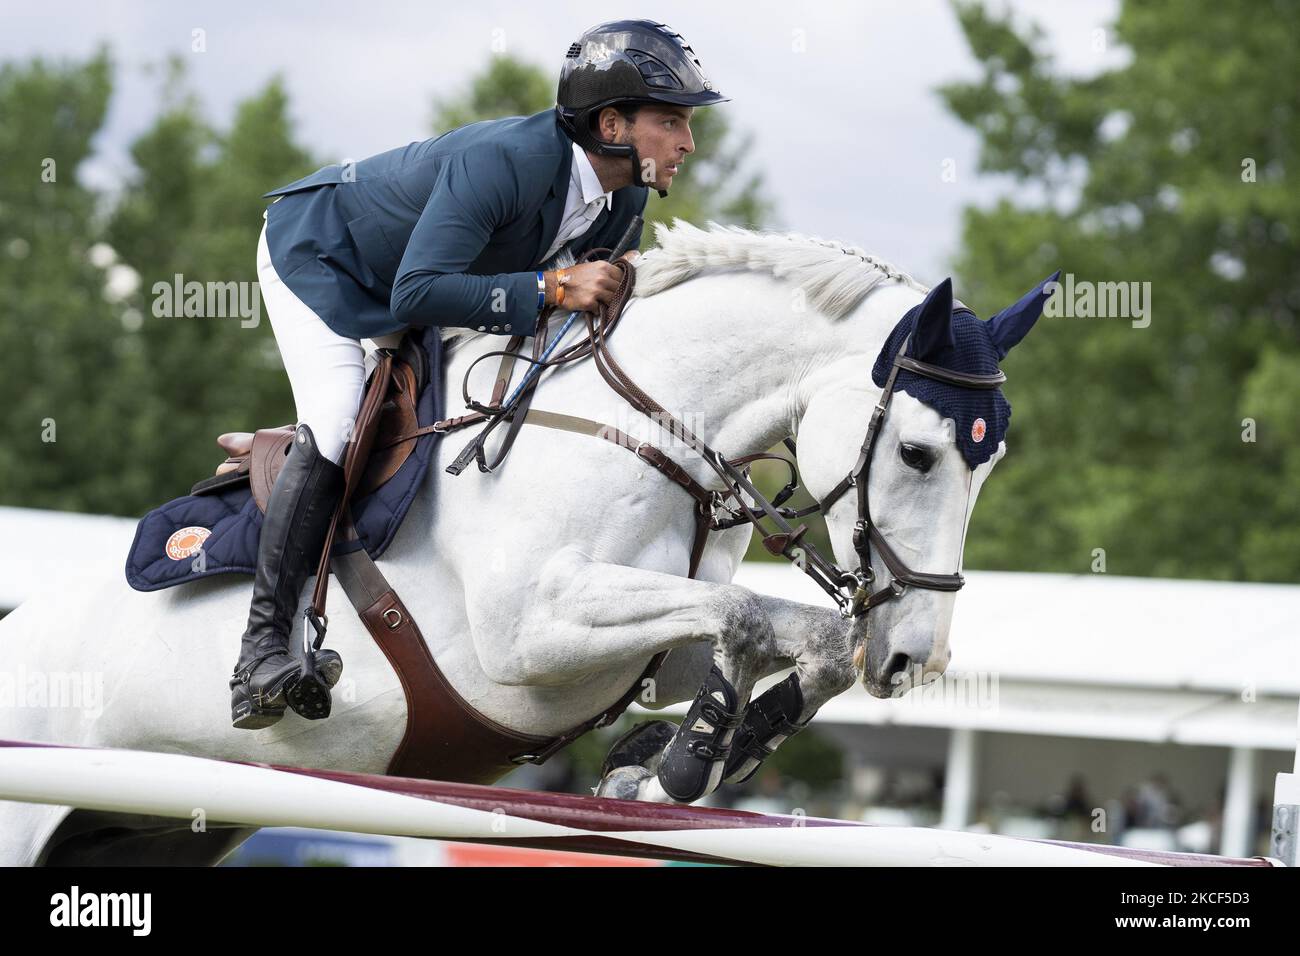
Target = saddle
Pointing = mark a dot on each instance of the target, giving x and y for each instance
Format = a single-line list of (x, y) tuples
[(383, 434)]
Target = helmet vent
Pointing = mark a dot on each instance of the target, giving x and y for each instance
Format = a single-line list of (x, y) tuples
[(686, 47), (574, 50), (654, 72)]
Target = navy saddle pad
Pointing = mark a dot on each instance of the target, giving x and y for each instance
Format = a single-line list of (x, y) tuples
[(201, 535)]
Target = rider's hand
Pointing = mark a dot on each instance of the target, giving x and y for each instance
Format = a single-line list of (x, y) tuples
[(590, 285)]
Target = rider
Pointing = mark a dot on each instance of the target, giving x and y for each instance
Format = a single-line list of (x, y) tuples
[(454, 231)]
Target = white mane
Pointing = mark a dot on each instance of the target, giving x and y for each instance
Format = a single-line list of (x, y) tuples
[(835, 277)]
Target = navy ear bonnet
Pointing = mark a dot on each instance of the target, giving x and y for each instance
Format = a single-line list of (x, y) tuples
[(980, 415), (962, 343)]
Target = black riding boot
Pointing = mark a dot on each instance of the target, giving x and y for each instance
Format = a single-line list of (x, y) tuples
[(268, 673)]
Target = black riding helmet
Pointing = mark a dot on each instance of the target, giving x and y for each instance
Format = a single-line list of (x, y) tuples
[(627, 61)]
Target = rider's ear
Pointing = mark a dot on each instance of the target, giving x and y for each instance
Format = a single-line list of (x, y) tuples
[(1012, 324), (932, 327)]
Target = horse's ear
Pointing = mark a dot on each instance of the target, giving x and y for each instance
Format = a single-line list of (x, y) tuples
[(1012, 324), (932, 327)]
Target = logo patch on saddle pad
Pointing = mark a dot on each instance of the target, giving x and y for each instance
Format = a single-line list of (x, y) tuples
[(186, 542), (977, 430)]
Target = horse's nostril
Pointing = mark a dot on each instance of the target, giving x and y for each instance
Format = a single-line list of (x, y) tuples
[(898, 664)]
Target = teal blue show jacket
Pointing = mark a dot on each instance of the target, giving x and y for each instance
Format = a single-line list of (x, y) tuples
[(449, 231)]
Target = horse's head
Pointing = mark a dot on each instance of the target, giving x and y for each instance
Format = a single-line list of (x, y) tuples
[(935, 444)]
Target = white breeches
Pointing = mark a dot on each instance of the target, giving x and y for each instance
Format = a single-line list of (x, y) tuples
[(327, 371)]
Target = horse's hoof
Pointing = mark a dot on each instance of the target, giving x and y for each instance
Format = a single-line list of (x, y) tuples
[(625, 783), (639, 747)]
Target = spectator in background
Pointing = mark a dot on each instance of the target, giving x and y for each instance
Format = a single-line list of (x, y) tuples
[(1156, 806), (1076, 812)]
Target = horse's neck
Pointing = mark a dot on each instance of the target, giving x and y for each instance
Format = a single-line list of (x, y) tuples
[(736, 357), (741, 354)]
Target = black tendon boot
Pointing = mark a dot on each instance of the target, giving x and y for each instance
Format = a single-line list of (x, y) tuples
[(298, 514), (770, 720), (703, 740)]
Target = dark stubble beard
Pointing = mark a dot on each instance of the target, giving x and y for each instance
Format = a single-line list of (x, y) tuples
[(638, 176)]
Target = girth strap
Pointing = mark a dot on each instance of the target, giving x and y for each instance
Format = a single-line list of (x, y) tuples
[(444, 737)]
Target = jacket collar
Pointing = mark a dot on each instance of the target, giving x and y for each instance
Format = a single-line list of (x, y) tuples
[(553, 207), (588, 181)]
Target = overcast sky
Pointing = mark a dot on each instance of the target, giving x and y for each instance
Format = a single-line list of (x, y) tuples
[(848, 131)]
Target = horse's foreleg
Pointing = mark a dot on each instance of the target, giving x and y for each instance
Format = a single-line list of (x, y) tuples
[(589, 616), (727, 736), (820, 643)]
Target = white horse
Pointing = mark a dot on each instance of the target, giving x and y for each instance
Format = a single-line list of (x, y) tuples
[(544, 588)]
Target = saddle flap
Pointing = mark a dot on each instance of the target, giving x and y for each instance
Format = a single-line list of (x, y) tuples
[(270, 445), (397, 417), (223, 505)]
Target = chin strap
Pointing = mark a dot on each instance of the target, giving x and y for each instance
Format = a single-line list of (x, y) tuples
[(636, 170)]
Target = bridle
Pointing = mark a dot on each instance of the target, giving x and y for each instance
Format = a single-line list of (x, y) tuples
[(865, 531), (851, 590)]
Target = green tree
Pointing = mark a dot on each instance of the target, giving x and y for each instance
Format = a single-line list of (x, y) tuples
[(1170, 169), (109, 408), (67, 362), (193, 208)]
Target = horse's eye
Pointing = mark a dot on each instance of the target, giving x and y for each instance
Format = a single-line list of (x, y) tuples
[(914, 456)]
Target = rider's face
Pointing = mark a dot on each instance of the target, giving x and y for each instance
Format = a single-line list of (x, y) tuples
[(662, 136)]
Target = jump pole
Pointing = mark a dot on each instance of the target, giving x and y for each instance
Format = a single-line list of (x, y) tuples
[(263, 795)]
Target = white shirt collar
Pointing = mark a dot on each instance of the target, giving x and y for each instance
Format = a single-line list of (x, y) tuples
[(588, 179)]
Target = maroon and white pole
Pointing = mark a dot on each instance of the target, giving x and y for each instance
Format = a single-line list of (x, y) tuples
[(185, 787)]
